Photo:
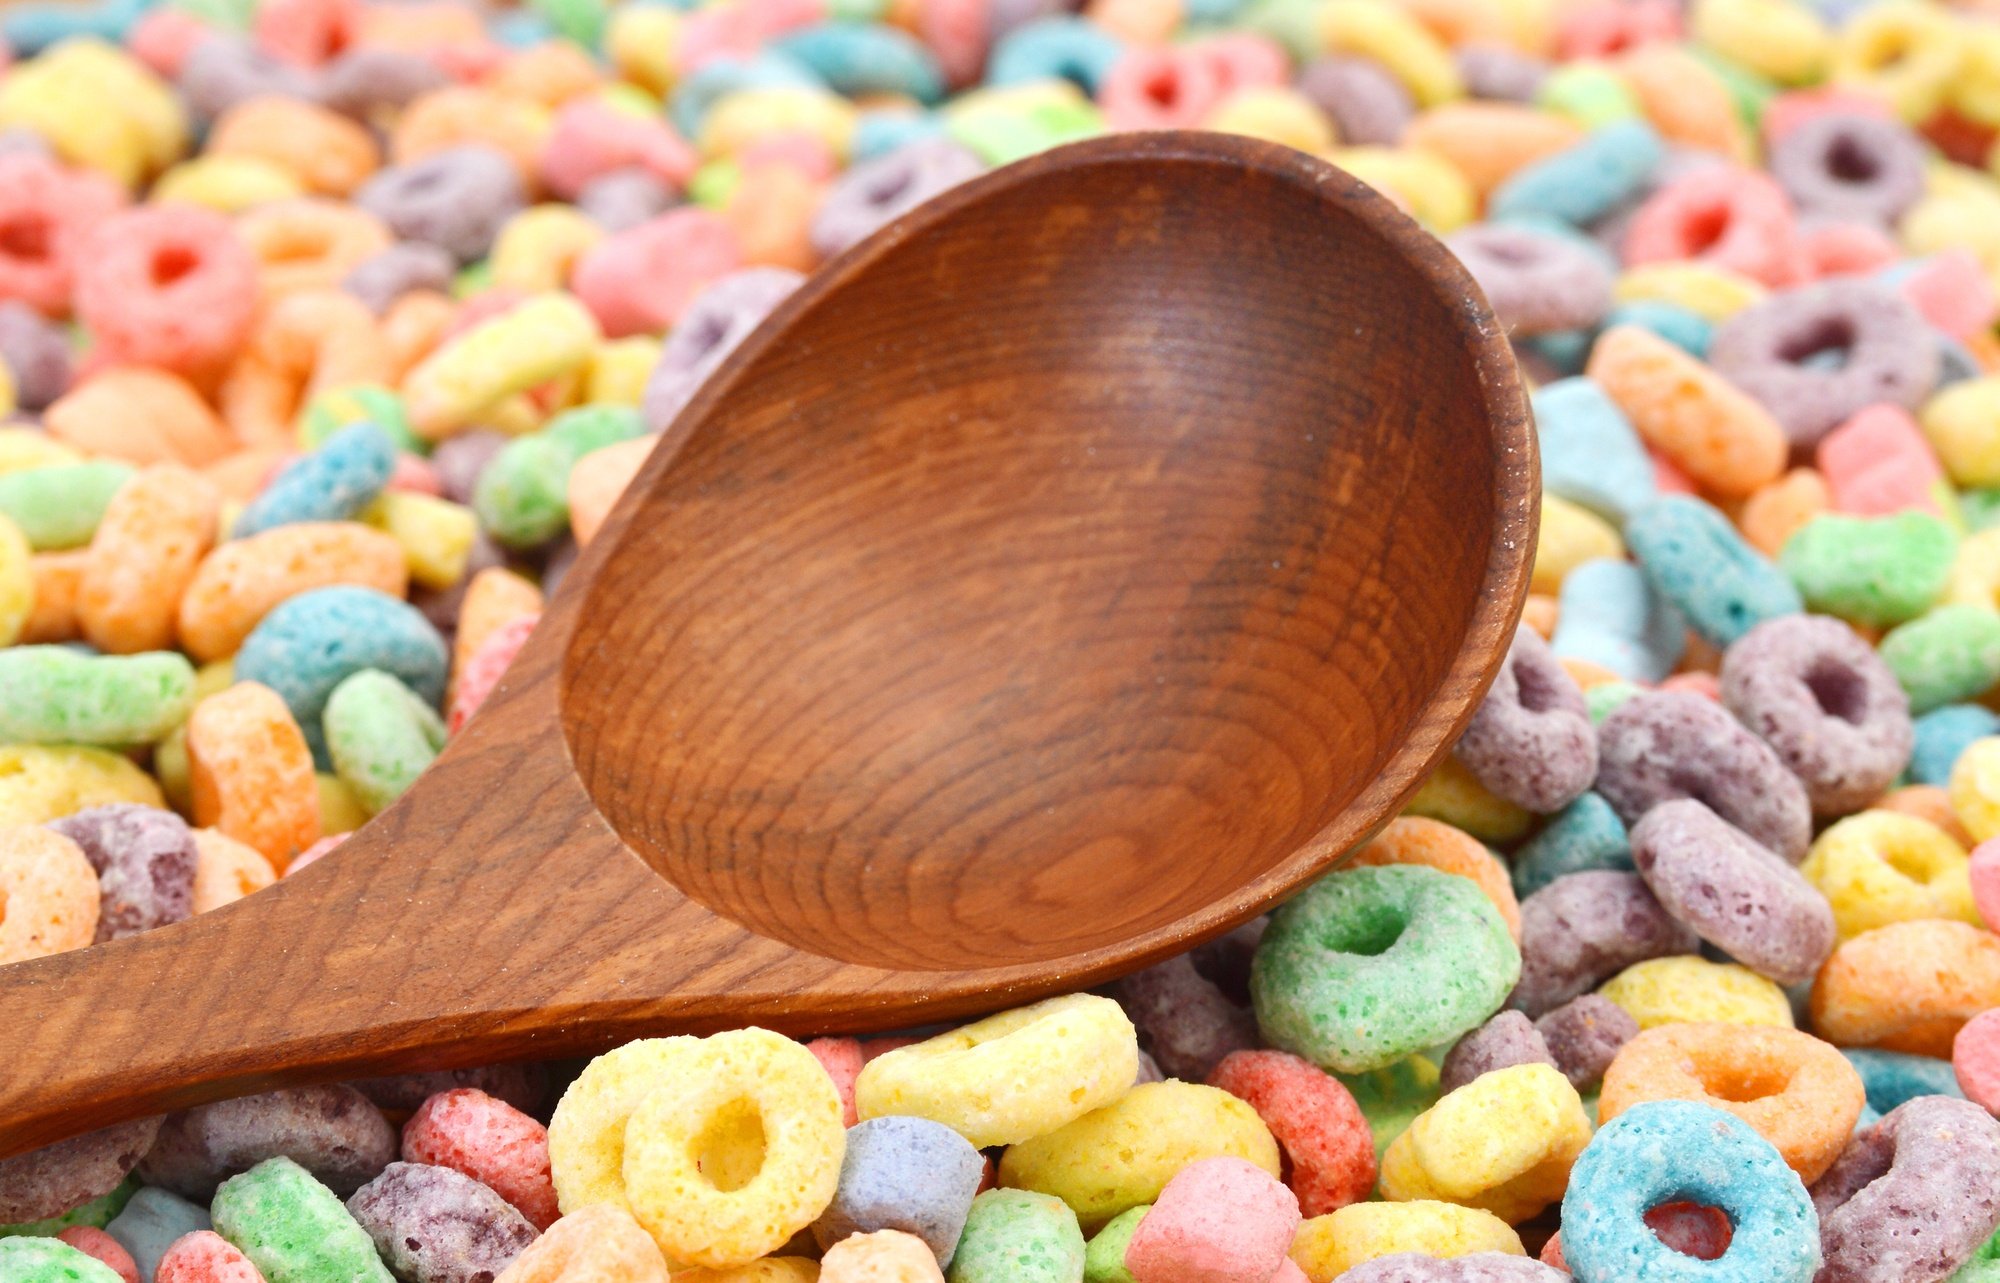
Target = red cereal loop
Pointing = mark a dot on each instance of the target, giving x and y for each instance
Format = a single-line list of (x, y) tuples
[(591, 139), (306, 32), (642, 279), (1609, 27), (46, 211), (483, 671), (169, 286), (842, 1060), (492, 1142), (205, 1257), (1315, 1120), (1732, 218), (98, 1245), (1161, 89)]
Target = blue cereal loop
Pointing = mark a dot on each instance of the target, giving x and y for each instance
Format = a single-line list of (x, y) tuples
[(1060, 48), (332, 483), (1590, 453), (1943, 734), (1611, 616), (858, 58), (1582, 184), (1694, 558)]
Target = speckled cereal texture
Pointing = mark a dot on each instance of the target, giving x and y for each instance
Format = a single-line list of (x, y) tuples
[(1913, 1196), (333, 1132), (435, 1225), (293, 1228)]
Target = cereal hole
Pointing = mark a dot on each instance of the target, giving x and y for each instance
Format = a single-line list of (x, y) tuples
[(172, 263), (1838, 690), (1850, 162), (26, 237), (730, 1149)]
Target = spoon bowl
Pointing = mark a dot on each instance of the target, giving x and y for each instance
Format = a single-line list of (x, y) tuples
[(1056, 580)]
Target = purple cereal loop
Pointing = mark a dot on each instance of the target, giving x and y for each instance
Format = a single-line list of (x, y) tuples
[(1531, 741), (403, 268), (1476, 1267), (364, 83), (456, 199), (334, 1132), (1734, 893), (224, 70), (1662, 745), (36, 353), (1886, 354), (1912, 1196), (1581, 930), (1368, 105), (1850, 166), (145, 860), (877, 192), (1585, 1035), (1824, 701), (524, 1086), (1537, 283), (623, 199), (49, 1181), (436, 1225), (716, 321), (1184, 1019), (1508, 1039), (1499, 73)]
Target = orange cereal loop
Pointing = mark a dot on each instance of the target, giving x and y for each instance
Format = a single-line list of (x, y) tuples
[(1796, 1091), (452, 117), (495, 597), (549, 74), (226, 870), (310, 243), (1776, 511), (1459, 22), (49, 896), (1699, 656), (329, 154), (1140, 22), (1586, 674), (1723, 440), (1908, 986), (1686, 101), (771, 213), (1540, 612), (415, 325), (1926, 802), (140, 414), (308, 342), (241, 475), (251, 772), (245, 579), (598, 1242), (145, 551), (418, 28), (1489, 141), (1412, 839), (57, 577), (597, 481)]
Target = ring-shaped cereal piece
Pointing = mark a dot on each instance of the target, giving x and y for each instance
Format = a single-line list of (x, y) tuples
[(587, 1130), (1004, 1079), (307, 343), (1531, 741), (1667, 1151), (170, 286), (1796, 1091), (1909, 986), (1367, 966), (703, 1205), (310, 243), (1879, 867), (48, 892)]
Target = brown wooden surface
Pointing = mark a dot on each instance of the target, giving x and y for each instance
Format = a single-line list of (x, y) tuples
[(1055, 581)]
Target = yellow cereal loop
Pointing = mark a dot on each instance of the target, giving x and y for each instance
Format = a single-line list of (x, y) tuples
[(41, 782), (435, 534), (22, 448), (49, 895), (1385, 32), (1571, 535), (536, 248), (1453, 795), (8, 391), (1435, 192), (617, 371), (97, 106), (1959, 422), (1880, 867), (1781, 40), (339, 810), (542, 339), (1712, 293), (1975, 789), (1975, 572), (1454, 1152), (1975, 90), (772, 1269), (1905, 52), (1009, 1077), (228, 184), (743, 118), (641, 40), (17, 581), (1122, 1155), (1944, 219), (587, 1131), (735, 1147), (1329, 1246), (1276, 115), (1691, 990)]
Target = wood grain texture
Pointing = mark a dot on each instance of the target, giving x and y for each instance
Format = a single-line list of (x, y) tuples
[(1058, 579)]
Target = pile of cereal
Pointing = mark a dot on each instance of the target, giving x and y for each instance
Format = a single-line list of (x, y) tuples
[(330, 329)]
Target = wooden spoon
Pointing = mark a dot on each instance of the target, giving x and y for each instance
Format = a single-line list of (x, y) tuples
[(1056, 580)]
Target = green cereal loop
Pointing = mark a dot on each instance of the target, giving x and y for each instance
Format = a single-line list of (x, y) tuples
[(1948, 656), (522, 498), (1983, 1266), (580, 20), (45, 1260), (1603, 699), (56, 695), (1104, 1259), (293, 1229), (97, 1213), (381, 735), (713, 184), (1391, 1098), (1748, 92), (335, 409), (1980, 509), (1367, 966), (1589, 94), (1001, 136), (474, 278), (59, 506), (1874, 571), (1292, 23), (1017, 1236), (231, 15)]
